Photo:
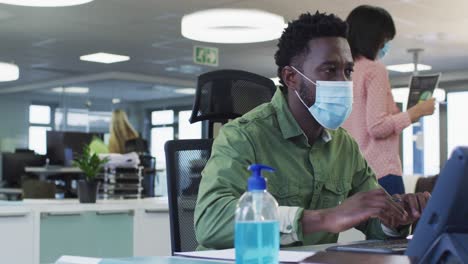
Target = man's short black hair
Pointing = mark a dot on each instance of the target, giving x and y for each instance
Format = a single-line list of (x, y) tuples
[(295, 38), (369, 26)]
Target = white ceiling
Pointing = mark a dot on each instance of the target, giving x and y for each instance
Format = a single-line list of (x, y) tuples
[(46, 43)]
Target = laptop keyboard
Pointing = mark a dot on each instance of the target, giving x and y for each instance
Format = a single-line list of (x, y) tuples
[(388, 244), (391, 246)]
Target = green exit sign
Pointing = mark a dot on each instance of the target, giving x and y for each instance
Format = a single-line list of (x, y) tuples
[(205, 55)]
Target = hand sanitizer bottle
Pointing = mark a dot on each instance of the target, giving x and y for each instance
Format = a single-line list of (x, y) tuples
[(257, 222)]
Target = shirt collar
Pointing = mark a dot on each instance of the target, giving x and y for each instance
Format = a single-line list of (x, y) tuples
[(288, 125), (326, 136)]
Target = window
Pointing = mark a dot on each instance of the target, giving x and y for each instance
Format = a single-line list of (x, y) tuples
[(163, 117), (159, 136), (432, 143), (168, 125), (82, 120), (43, 118), (457, 127), (39, 114), (428, 141), (40, 121), (162, 130), (187, 130)]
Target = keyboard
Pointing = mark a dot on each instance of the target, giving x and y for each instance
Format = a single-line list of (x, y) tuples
[(391, 246)]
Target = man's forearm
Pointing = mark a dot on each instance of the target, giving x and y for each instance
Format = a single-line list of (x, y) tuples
[(313, 221), (214, 224)]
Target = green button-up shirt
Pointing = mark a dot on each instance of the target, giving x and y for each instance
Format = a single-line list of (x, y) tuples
[(307, 177)]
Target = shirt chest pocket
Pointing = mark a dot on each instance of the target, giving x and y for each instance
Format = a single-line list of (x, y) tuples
[(332, 195), (286, 194)]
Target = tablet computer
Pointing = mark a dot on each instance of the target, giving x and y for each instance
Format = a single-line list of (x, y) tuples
[(422, 88)]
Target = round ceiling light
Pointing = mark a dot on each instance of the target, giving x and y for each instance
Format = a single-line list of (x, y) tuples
[(232, 26), (8, 72), (45, 3)]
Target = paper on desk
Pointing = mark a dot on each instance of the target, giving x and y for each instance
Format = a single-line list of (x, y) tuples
[(230, 254), (77, 260)]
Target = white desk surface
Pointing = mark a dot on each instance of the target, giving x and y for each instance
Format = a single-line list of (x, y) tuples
[(52, 169), (157, 204)]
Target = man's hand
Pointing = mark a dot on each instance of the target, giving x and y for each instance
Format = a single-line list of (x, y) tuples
[(362, 206), (414, 204)]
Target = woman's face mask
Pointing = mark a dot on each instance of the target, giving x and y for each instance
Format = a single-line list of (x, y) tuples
[(384, 50), (333, 101)]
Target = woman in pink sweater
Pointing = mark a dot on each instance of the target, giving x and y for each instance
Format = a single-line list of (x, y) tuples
[(375, 122)]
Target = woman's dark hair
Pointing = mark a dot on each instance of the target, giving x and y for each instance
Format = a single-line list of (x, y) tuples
[(295, 38), (369, 26)]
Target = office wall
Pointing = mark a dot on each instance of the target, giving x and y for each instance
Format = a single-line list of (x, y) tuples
[(14, 123), (14, 115)]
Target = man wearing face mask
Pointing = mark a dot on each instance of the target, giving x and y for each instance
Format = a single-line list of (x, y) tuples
[(322, 183)]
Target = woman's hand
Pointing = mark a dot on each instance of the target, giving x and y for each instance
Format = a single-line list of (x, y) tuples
[(421, 109)]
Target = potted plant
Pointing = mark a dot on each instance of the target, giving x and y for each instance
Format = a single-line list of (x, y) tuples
[(90, 164)]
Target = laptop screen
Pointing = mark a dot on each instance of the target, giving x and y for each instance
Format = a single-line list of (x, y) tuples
[(446, 213)]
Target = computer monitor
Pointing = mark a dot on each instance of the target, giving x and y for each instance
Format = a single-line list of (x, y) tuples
[(62, 147), (13, 165), (24, 150), (441, 235)]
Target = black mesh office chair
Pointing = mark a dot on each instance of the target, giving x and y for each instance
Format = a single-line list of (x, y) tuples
[(227, 94), (185, 160), (220, 96)]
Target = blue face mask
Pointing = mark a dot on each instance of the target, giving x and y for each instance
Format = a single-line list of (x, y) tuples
[(384, 50), (333, 102)]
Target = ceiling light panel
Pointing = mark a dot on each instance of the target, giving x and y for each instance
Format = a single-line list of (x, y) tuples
[(185, 91), (232, 26), (102, 57), (8, 72), (71, 90), (408, 67), (45, 3)]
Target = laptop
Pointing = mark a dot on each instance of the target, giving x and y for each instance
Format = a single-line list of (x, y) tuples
[(390, 246), (442, 230)]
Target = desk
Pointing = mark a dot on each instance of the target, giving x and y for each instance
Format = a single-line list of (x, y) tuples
[(11, 192), (154, 260), (67, 174), (320, 257), (39, 231), (162, 260), (43, 172)]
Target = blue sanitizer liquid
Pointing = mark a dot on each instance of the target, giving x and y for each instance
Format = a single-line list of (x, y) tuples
[(257, 242)]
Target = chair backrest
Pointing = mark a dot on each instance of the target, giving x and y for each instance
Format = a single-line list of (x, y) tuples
[(227, 94), (185, 160), (14, 164), (36, 189), (148, 163), (426, 184), (138, 145)]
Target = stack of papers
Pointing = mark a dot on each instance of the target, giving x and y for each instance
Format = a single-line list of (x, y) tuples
[(230, 255), (77, 260)]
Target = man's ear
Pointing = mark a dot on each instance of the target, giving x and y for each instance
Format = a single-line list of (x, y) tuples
[(290, 78)]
